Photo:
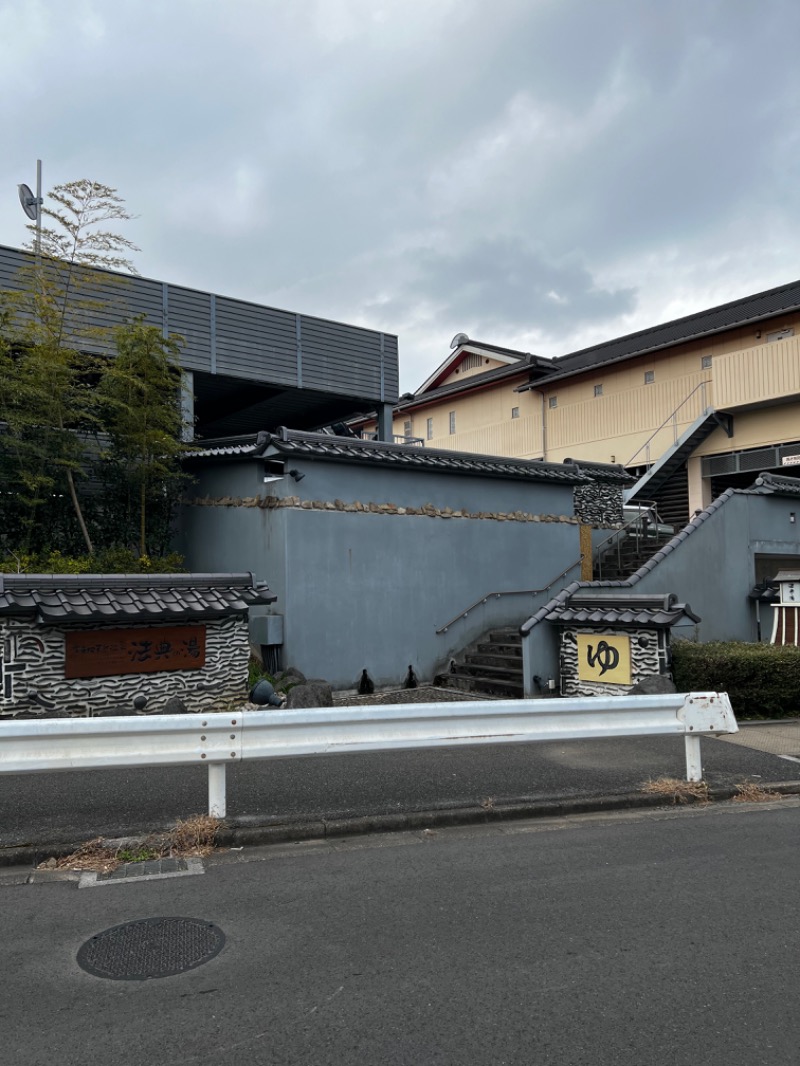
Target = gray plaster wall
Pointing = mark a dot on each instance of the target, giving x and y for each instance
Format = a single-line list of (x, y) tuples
[(365, 589), (713, 569)]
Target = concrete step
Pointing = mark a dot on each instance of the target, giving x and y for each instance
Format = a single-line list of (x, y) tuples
[(497, 648), (509, 635), (490, 658), (490, 686), (489, 670)]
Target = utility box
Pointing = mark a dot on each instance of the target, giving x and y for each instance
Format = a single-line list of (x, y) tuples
[(265, 628)]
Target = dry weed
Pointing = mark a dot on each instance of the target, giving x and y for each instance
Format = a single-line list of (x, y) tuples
[(678, 791), (488, 803), (750, 792), (190, 838), (194, 836)]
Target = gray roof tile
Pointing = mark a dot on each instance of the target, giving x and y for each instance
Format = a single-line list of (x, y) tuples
[(129, 597)]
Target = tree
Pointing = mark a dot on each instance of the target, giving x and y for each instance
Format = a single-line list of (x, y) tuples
[(46, 396), (139, 395)]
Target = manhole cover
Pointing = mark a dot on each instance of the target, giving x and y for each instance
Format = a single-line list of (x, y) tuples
[(151, 947)]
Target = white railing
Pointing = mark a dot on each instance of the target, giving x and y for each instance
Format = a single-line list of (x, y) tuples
[(219, 739)]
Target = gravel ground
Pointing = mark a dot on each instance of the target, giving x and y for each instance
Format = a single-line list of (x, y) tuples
[(423, 694)]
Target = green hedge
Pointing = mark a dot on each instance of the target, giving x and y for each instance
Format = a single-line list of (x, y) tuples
[(109, 561), (762, 680)]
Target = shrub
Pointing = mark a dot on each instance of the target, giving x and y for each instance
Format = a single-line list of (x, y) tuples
[(762, 680), (109, 561)]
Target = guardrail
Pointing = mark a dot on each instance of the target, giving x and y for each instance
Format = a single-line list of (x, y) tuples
[(217, 740)]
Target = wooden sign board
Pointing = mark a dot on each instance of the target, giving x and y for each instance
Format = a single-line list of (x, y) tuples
[(603, 657), (103, 652)]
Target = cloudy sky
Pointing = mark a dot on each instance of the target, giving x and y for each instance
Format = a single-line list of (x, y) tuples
[(543, 174)]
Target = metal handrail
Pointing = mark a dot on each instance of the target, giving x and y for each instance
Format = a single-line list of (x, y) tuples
[(642, 528), (645, 506), (508, 592), (699, 385)]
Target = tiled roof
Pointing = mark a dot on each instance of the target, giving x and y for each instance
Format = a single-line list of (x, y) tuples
[(601, 607), (295, 444), (774, 485), (119, 598), (605, 472)]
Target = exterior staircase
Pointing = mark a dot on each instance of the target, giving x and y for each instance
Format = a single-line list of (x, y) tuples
[(623, 555), (492, 667)]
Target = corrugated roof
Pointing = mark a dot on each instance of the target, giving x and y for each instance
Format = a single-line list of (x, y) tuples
[(737, 313), (474, 381), (120, 598)]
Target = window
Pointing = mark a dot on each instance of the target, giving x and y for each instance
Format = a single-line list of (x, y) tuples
[(649, 377), (452, 421), (407, 427), (705, 362), (552, 401), (515, 412), (429, 429), (598, 390)]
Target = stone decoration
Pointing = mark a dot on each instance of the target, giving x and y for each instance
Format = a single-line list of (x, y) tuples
[(427, 510), (599, 504), (32, 678), (648, 657)]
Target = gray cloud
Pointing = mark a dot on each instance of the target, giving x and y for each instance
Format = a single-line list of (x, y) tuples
[(539, 174)]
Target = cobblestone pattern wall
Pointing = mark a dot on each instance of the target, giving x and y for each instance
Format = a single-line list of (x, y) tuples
[(598, 505), (32, 682), (645, 660), (426, 509)]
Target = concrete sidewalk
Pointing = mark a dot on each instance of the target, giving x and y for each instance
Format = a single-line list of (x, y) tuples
[(335, 795)]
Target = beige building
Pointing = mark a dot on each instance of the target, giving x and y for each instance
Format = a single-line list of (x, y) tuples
[(691, 407)]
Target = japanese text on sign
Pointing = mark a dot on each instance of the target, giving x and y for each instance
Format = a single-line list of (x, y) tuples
[(102, 653), (604, 657)]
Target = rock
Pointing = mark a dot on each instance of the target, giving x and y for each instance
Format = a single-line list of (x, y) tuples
[(174, 705), (652, 685), (289, 676), (310, 694)]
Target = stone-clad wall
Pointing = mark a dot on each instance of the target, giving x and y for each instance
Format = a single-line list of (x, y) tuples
[(32, 682), (645, 660), (598, 504), (425, 510)]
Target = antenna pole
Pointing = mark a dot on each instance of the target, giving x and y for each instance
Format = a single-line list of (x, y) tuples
[(39, 201)]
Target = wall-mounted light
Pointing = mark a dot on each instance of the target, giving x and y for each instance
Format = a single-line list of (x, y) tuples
[(296, 475)]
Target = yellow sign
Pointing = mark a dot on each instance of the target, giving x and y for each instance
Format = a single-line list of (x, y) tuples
[(606, 658)]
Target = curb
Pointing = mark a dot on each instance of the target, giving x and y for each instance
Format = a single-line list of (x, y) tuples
[(246, 830)]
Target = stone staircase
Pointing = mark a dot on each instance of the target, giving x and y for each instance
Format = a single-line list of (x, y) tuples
[(491, 668)]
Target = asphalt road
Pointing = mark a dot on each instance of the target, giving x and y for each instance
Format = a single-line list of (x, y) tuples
[(74, 806), (666, 939)]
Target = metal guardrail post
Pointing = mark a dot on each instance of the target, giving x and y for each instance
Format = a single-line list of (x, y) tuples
[(694, 765), (216, 789)]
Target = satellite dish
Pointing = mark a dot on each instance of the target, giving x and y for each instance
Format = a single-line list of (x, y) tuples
[(30, 204), (458, 340)]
